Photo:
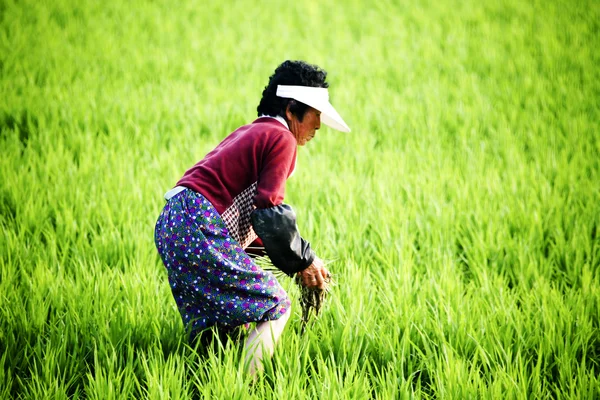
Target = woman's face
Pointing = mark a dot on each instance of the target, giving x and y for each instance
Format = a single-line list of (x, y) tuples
[(304, 130)]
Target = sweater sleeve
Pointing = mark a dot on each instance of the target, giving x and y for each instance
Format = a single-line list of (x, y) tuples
[(278, 162), (273, 221)]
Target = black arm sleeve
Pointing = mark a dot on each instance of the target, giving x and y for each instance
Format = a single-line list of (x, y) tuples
[(276, 227)]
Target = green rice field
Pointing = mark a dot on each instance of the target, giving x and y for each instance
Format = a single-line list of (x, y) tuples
[(461, 212)]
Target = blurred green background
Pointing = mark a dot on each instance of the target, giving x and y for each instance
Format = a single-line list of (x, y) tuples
[(462, 210)]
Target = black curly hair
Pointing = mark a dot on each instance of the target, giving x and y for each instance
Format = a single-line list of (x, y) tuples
[(289, 72)]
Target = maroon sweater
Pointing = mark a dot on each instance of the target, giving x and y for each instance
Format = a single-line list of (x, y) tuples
[(247, 170)]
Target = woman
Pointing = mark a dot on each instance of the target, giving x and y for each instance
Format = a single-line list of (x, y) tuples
[(233, 197)]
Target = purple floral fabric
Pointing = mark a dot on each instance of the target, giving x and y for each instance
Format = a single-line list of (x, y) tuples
[(212, 278)]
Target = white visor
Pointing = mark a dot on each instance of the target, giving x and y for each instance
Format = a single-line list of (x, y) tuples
[(317, 98)]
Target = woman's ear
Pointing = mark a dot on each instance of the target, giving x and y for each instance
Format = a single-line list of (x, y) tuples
[(288, 109)]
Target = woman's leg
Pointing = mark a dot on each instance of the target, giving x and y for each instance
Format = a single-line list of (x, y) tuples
[(263, 339)]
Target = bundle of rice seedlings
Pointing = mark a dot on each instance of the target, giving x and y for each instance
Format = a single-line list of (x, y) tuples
[(311, 299)]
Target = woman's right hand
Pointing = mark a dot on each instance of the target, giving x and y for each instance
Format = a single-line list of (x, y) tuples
[(315, 276)]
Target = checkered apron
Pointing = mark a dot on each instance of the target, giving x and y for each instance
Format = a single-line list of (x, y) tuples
[(237, 216)]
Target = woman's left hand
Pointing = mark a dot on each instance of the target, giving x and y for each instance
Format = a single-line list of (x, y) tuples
[(315, 276)]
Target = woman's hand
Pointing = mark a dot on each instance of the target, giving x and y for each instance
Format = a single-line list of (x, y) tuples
[(315, 275)]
